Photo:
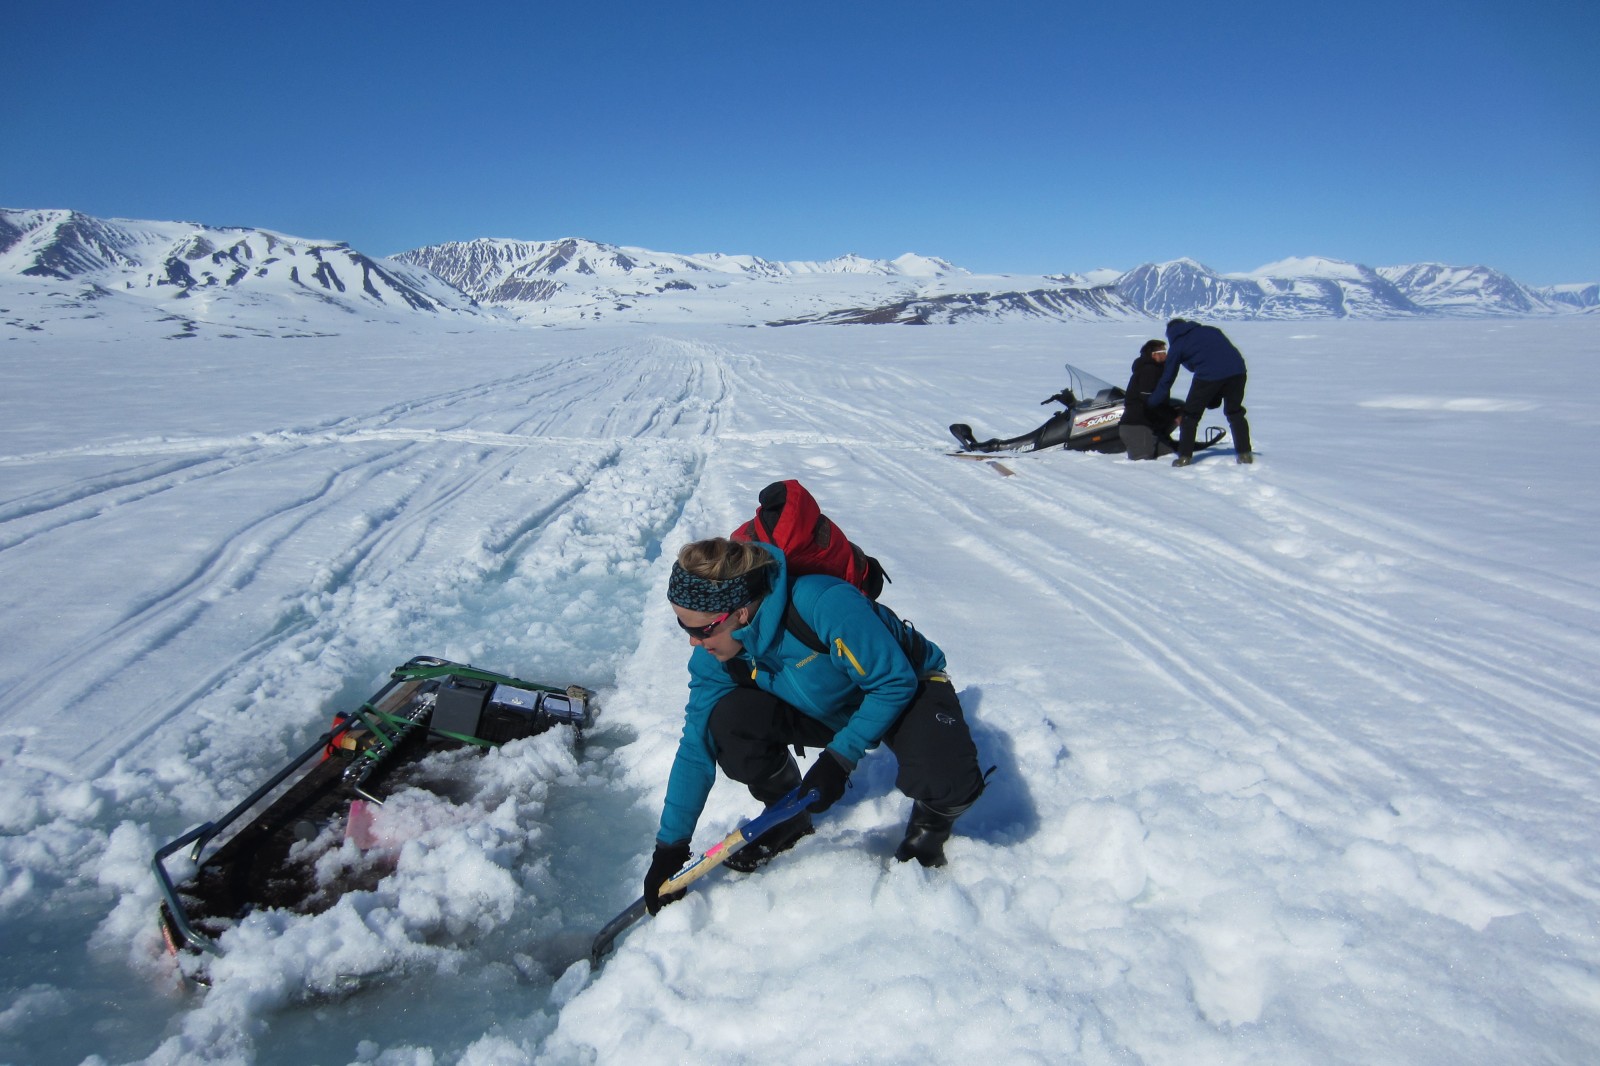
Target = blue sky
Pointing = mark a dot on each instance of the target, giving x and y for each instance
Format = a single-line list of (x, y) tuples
[(1019, 137)]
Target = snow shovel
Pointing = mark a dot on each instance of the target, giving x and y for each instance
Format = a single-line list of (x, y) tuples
[(719, 853)]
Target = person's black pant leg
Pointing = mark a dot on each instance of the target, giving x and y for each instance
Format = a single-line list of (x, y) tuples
[(933, 745), (1203, 394), (1233, 410), (1200, 396), (752, 730)]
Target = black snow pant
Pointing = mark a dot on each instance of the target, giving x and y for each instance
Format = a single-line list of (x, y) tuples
[(752, 729), (1202, 394), (1143, 442)]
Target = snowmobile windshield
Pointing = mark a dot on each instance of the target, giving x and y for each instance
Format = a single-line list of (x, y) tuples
[(1090, 389)]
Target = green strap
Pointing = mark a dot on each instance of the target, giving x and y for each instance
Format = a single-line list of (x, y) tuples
[(373, 716), (428, 672)]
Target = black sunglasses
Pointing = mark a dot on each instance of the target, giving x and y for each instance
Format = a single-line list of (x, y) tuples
[(702, 632)]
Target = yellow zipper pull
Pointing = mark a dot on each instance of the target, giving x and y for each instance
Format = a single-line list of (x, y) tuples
[(838, 642)]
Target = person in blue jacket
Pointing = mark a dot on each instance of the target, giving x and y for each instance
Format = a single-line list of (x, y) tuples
[(1219, 377), (755, 688)]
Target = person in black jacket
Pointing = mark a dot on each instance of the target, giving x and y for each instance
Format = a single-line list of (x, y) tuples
[(1219, 377), (1147, 429)]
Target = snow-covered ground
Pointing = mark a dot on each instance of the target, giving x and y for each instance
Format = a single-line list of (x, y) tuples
[(1297, 763)]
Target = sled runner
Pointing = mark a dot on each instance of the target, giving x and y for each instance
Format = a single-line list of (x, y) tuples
[(1089, 423), (428, 704)]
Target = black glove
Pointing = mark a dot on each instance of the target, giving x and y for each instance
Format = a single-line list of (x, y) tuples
[(667, 860), (828, 775)]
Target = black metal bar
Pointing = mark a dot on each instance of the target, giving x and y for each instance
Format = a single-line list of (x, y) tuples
[(203, 834)]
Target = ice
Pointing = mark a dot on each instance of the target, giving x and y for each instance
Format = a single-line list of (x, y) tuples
[(1295, 762)]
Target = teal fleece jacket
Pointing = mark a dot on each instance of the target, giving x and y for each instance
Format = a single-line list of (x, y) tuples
[(859, 688)]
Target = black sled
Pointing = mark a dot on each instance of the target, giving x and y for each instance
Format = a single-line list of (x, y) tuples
[(1088, 424), (427, 705)]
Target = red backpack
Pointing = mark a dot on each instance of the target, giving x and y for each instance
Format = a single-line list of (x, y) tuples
[(790, 518)]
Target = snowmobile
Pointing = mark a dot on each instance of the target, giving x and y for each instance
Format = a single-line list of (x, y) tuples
[(427, 704), (1089, 423)]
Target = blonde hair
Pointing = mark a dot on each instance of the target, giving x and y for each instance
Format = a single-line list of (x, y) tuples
[(719, 558)]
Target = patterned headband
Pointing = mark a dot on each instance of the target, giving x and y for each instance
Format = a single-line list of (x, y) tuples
[(696, 593)]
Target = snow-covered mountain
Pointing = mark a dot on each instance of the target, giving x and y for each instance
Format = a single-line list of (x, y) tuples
[(509, 271), (63, 270), (1469, 290), (1316, 287), (1291, 288), (1582, 297), (1061, 302), (190, 273), (512, 272), (1185, 287), (534, 280), (1089, 279)]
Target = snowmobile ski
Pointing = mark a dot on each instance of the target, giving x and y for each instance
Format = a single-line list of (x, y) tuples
[(989, 458), (428, 704)]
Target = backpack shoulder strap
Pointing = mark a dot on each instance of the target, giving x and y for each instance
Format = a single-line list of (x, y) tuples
[(799, 626), (802, 629)]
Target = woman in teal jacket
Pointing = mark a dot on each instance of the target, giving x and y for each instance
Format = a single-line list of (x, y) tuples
[(755, 688)]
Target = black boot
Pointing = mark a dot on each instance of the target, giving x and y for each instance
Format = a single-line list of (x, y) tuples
[(926, 831), (780, 837)]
